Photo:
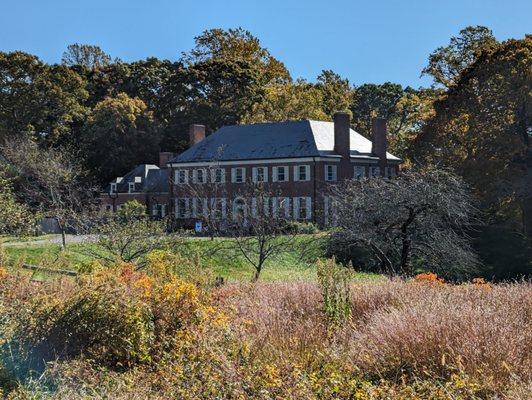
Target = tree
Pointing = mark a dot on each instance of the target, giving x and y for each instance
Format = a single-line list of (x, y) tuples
[(119, 134), (481, 128), (337, 93), (415, 221), (15, 217), (289, 101), (447, 63), (51, 182), (39, 101), (237, 45), (259, 230), (129, 236), (86, 55)]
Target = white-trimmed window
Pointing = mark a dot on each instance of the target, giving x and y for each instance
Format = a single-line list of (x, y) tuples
[(239, 209), (199, 176), (260, 174), (280, 174), (112, 188), (302, 208), (238, 175), (374, 171), (390, 172), (159, 210), (182, 207), (280, 207), (218, 175), (131, 187), (330, 172), (302, 173), (359, 171), (181, 176), (199, 207)]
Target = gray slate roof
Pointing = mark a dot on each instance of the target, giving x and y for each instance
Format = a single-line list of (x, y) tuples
[(152, 179), (290, 139)]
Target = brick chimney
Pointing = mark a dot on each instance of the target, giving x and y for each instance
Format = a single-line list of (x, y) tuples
[(164, 157), (379, 143), (196, 134), (342, 124)]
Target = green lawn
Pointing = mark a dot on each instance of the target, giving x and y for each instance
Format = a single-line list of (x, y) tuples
[(215, 257)]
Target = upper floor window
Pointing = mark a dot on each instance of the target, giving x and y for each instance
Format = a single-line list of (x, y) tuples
[(218, 175), (181, 176), (260, 174), (131, 187), (302, 172), (375, 172), (280, 174), (359, 172), (238, 175), (199, 176), (330, 172), (112, 188)]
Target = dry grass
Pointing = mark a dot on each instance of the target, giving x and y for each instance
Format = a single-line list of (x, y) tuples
[(403, 340)]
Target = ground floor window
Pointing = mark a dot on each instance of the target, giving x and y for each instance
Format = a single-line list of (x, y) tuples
[(181, 207), (302, 208)]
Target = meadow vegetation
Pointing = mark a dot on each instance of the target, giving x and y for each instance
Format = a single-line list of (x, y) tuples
[(168, 331)]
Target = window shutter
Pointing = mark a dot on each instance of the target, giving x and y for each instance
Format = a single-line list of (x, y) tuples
[(265, 169), (233, 175), (296, 207), (266, 206), (224, 207), (309, 207), (254, 174), (296, 173), (254, 206), (243, 174), (307, 172), (274, 174)]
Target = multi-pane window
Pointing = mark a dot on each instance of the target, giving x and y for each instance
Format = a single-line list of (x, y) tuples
[(390, 172), (375, 172), (330, 172), (218, 175), (131, 187), (200, 176), (280, 174), (302, 172), (260, 174), (281, 207), (112, 189), (238, 175), (199, 207), (302, 208), (359, 172), (181, 205), (181, 176)]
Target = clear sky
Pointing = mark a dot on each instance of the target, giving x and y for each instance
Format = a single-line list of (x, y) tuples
[(365, 41)]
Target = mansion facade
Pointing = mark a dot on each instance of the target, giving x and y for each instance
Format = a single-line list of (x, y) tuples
[(295, 162)]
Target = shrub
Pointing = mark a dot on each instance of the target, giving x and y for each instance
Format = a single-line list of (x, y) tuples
[(334, 282), (299, 227)]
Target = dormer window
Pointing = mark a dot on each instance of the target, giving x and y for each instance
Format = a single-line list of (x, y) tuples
[(131, 187)]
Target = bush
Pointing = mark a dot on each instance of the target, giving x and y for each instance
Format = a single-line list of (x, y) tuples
[(334, 282), (303, 228)]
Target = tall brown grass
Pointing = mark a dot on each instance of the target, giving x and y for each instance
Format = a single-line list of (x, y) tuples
[(401, 340)]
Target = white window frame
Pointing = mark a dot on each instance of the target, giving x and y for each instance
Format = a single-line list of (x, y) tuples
[(244, 207), (286, 173), (195, 175), (255, 174), (222, 175), (357, 169), (177, 177), (234, 175), (333, 169), (298, 175), (112, 188), (185, 213), (131, 187), (374, 171), (195, 202), (297, 208)]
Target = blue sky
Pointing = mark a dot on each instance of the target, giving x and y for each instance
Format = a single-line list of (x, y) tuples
[(366, 41)]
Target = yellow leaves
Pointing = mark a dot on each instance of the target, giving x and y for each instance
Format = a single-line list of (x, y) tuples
[(3, 273)]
